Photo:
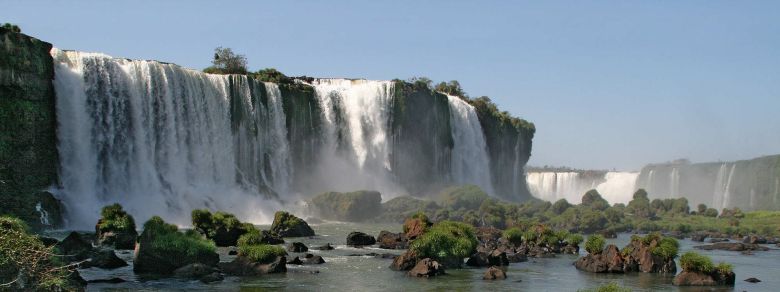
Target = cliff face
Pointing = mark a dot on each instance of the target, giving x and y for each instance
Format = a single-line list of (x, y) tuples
[(28, 151), (748, 184)]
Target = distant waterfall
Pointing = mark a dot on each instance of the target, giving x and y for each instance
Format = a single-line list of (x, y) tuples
[(470, 162), (723, 185), (157, 138), (615, 187)]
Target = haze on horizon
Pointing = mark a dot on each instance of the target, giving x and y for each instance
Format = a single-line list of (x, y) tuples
[(609, 84)]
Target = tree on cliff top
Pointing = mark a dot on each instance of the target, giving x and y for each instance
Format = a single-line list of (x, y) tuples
[(227, 62), (12, 27)]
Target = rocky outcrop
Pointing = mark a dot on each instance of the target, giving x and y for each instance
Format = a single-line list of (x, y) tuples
[(28, 127), (161, 249), (406, 261), (415, 227), (116, 228), (494, 273), (690, 278), (297, 247), (360, 239), (327, 246), (104, 259), (482, 259), (353, 206), (642, 259), (311, 259), (732, 246), (389, 240), (204, 273), (287, 225), (74, 247), (608, 261), (426, 268)]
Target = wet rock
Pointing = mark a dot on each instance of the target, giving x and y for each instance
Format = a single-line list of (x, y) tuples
[(48, 241), (415, 227), (642, 259), (104, 259), (608, 261), (752, 280), (360, 239), (74, 247), (426, 268), (297, 247), (389, 240), (267, 237), (314, 260), (753, 239), (716, 240), (287, 225), (495, 258), (406, 261), (114, 280), (295, 261), (732, 246), (213, 277), (699, 236), (689, 278), (327, 246), (242, 266), (194, 271), (494, 273)]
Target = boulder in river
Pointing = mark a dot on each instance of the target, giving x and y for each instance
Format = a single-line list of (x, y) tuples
[(406, 261), (297, 247), (360, 239), (204, 273), (295, 261), (752, 280), (116, 228), (242, 266), (287, 225), (313, 260), (327, 246), (74, 247), (695, 278), (608, 261), (494, 273), (732, 246), (426, 268), (104, 259), (222, 228), (161, 249), (389, 240)]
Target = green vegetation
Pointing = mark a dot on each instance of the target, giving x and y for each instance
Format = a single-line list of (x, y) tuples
[(446, 241), (181, 249), (12, 27), (724, 268), (272, 75), (468, 197), (594, 200), (222, 227), (288, 225), (261, 253), (667, 248), (694, 262), (574, 239), (115, 219), (452, 88), (352, 206), (227, 62), (595, 244), (26, 264), (514, 235), (611, 287)]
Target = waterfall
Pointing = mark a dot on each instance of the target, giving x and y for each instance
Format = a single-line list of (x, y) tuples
[(615, 187), (157, 138), (357, 117), (470, 162), (44, 217), (618, 187), (674, 185), (723, 186)]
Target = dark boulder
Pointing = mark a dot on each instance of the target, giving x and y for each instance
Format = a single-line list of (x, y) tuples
[(287, 225), (752, 280), (104, 259), (194, 271), (494, 273), (753, 239), (642, 259), (48, 241), (295, 261), (154, 254), (116, 228), (297, 247), (389, 240), (426, 268), (608, 261), (699, 236), (74, 247), (327, 246), (360, 239), (313, 260), (114, 280), (213, 277), (495, 258)]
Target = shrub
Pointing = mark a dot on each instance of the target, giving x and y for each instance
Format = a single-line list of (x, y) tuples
[(12, 27), (514, 235), (595, 244), (165, 239), (261, 253), (611, 287), (272, 75), (694, 262), (469, 197), (114, 218), (446, 240), (667, 248), (724, 268), (227, 62), (560, 206), (574, 239), (594, 200)]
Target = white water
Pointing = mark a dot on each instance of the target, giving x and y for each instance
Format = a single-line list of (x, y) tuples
[(157, 138), (470, 162), (723, 186), (616, 187), (44, 217), (356, 118)]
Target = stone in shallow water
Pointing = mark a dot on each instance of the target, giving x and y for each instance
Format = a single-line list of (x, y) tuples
[(494, 273), (752, 280), (427, 268)]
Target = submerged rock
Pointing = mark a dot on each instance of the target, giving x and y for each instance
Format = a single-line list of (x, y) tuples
[(313, 260), (494, 273), (74, 247), (426, 268), (195, 271), (360, 239), (752, 280), (327, 246), (297, 247), (295, 261), (104, 259), (287, 225), (242, 266)]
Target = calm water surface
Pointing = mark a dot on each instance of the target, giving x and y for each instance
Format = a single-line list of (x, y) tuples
[(343, 271)]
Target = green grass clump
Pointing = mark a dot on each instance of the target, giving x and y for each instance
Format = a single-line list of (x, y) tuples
[(694, 262), (253, 237), (611, 287), (667, 248), (595, 244), (724, 268), (574, 239), (468, 197), (514, 235), (446, 240), (261, 253), (167, 240)]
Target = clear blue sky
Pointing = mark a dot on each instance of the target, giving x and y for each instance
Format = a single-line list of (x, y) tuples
[(609, 84)]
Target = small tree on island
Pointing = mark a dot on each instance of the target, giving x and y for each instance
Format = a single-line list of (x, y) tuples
[(12, 27), (227, 62)]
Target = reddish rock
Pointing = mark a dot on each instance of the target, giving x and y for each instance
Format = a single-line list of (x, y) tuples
[(608, 261), (427, 268), (494, 273), (688, 278), (406, 261)]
